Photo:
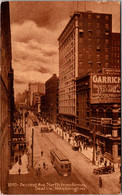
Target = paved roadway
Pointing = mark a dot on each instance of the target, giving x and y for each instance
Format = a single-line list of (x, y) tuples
[(43, 143), (48, 142)]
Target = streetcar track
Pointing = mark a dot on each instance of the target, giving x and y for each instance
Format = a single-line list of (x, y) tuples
[(80, 177)]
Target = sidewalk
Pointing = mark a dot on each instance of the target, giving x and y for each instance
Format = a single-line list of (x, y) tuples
[(23, 166)]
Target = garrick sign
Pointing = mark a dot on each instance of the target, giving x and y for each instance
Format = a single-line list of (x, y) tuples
[(106, 79), (105, 88)]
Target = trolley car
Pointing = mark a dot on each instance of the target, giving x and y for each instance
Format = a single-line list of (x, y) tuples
[(60, 162)]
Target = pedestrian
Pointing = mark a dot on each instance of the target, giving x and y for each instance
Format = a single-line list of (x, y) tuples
[(109, 163), (113, 168), (39, 171), (19, 170), (81, 148), (105, 163), (100, 182), (68, 140), (16, 158), (100, 160), (41, 153), (44, 165)]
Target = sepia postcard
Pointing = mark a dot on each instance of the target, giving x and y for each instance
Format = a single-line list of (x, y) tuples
[(60, 101)]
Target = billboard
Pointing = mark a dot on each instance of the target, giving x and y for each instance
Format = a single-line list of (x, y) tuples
[(105, 88)]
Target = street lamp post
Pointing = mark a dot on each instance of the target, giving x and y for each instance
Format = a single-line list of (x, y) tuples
[(28, 158), (32, 145)]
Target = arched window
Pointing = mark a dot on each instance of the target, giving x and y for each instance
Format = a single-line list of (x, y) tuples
[(101, 113), (108, 113), (94, 113)]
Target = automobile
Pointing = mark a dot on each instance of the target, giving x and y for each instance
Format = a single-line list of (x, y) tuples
[(76, 148), (35, 123), (104, 170), (44, 129)]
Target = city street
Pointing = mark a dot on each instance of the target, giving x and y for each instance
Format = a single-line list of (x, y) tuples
[(49, 176), (60, 97), (82, 168)]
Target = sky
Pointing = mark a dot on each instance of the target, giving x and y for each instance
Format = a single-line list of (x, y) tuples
[(35, 28)]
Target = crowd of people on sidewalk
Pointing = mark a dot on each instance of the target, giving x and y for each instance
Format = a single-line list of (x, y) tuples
[(83, 144)]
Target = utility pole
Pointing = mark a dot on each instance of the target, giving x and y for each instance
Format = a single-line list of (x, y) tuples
[(94, 146), (25, 125), (32, 145), (22, 120)]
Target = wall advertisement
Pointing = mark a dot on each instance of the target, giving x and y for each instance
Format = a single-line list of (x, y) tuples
[(105, 88)]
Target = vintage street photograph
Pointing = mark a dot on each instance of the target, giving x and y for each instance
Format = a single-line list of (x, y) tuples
[(60, 97)]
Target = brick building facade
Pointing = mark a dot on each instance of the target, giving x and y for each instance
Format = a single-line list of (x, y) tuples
[(98, 112), (7, 97), (84, 46), (49, 102)]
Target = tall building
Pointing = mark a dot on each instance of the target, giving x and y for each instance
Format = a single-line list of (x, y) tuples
[(51, 89), (35, 87), (21, 97), (7, 97), (43, 107), (49, 101), (84, 46), (37, 101)]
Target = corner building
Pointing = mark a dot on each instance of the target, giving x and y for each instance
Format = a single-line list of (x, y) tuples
[(84, 46), (99, 113)]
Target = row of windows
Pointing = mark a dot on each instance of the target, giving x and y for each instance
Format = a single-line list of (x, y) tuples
[(98, 56), (68, 83), (67, 103), (67, 62), (65, 55), (66, 91), (116, 61), (66, 69), (101, 113), (114, 42), (68, 76), (98, 25), (98, 32), (67, 110), (98, 40), (106, 17), (115, 48), (67, 31), (68, 43), (116, 55)]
